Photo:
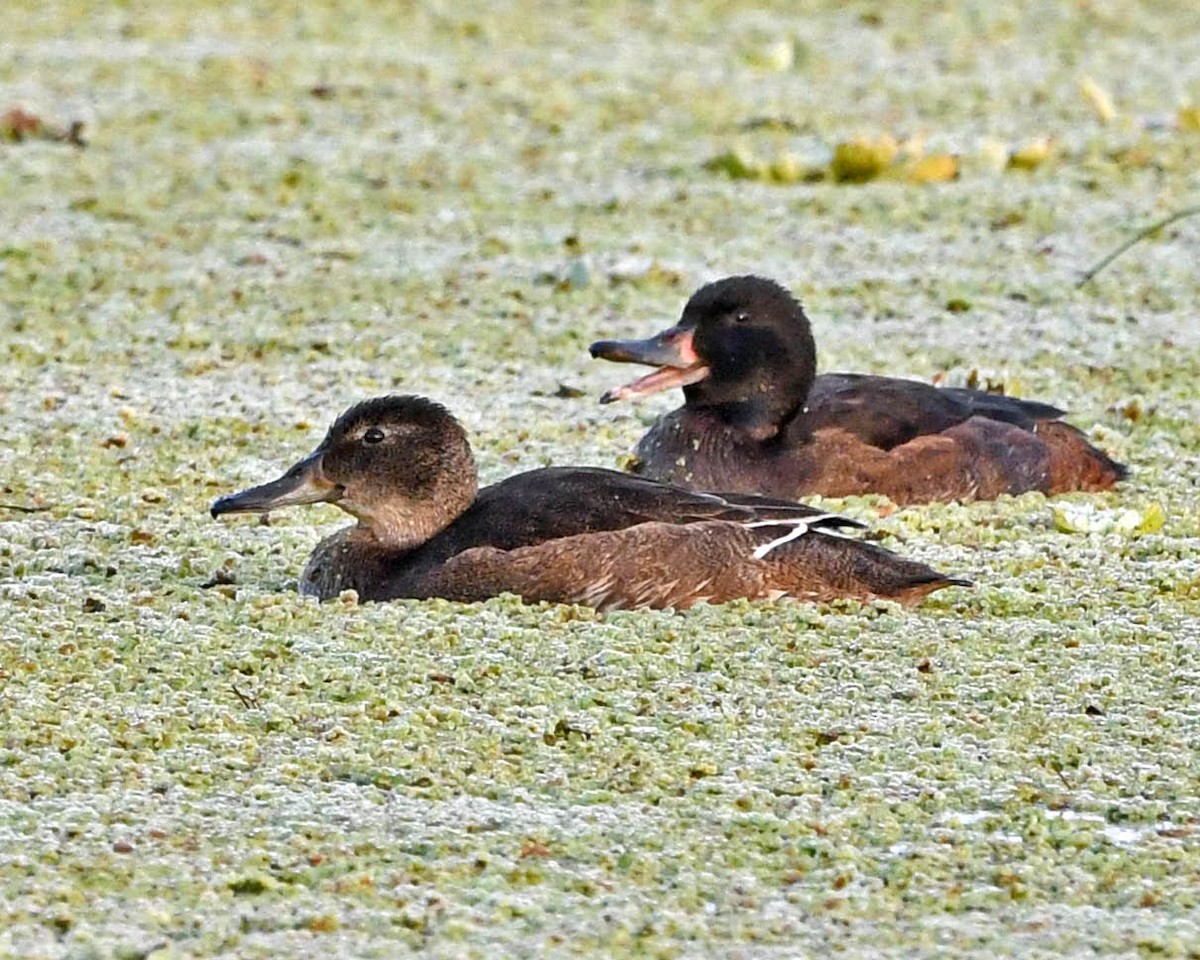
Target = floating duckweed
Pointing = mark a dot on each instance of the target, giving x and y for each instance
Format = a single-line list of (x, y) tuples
[(737, 164), (1088, 518), (196, 761)]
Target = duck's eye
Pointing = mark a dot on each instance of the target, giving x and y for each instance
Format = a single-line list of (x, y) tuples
[(373, 435), (742, 317)]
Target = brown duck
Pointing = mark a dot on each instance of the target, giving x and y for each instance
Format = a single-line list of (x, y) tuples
[(402, 466), (756, 418)]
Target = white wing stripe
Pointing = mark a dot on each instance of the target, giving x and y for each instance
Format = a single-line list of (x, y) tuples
[(800, 530)]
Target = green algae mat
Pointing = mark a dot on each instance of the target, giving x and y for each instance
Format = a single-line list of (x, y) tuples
[(222, 223)]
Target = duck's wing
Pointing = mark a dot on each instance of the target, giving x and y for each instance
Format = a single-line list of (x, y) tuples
[(558, 502), (885, 412), (657, 564), (997, 406)]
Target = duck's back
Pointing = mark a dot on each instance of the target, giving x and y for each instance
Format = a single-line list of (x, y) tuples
[(908, 440), (886, 412)]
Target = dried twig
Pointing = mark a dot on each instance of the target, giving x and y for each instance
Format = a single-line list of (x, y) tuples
[(1137, 238), (249, 700)]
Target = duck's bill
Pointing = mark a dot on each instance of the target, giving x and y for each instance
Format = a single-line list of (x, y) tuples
[(671, 351), (661, 379), (303, 483)]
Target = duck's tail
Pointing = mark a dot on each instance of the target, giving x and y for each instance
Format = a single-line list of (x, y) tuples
[(824, 568), (1074, 463)]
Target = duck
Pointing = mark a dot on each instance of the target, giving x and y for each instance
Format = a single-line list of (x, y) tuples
[(403, 468), (757, 418)]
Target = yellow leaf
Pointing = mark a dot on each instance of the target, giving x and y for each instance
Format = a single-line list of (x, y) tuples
[(935, 168), (860, 160), (1153, 519), (787, 168), (1032, 155), (1098, 97), (1189, 119), (1067, 520)]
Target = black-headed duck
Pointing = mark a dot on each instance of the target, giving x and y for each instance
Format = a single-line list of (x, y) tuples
[(756, 418), (402, 466)]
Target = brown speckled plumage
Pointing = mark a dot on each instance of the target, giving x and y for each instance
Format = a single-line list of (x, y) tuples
[(570, 535), (756, 418)]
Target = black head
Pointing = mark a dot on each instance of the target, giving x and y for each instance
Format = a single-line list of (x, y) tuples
[(402, 465), (743, 349)]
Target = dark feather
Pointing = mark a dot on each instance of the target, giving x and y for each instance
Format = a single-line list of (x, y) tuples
[(886, 412), (557, 502)]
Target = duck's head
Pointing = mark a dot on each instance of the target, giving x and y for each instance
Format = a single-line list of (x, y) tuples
[(742, 349), (402, 465)]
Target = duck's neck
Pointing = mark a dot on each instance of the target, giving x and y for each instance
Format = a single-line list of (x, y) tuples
[(755, 409), (752, 421), (401, 524)]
